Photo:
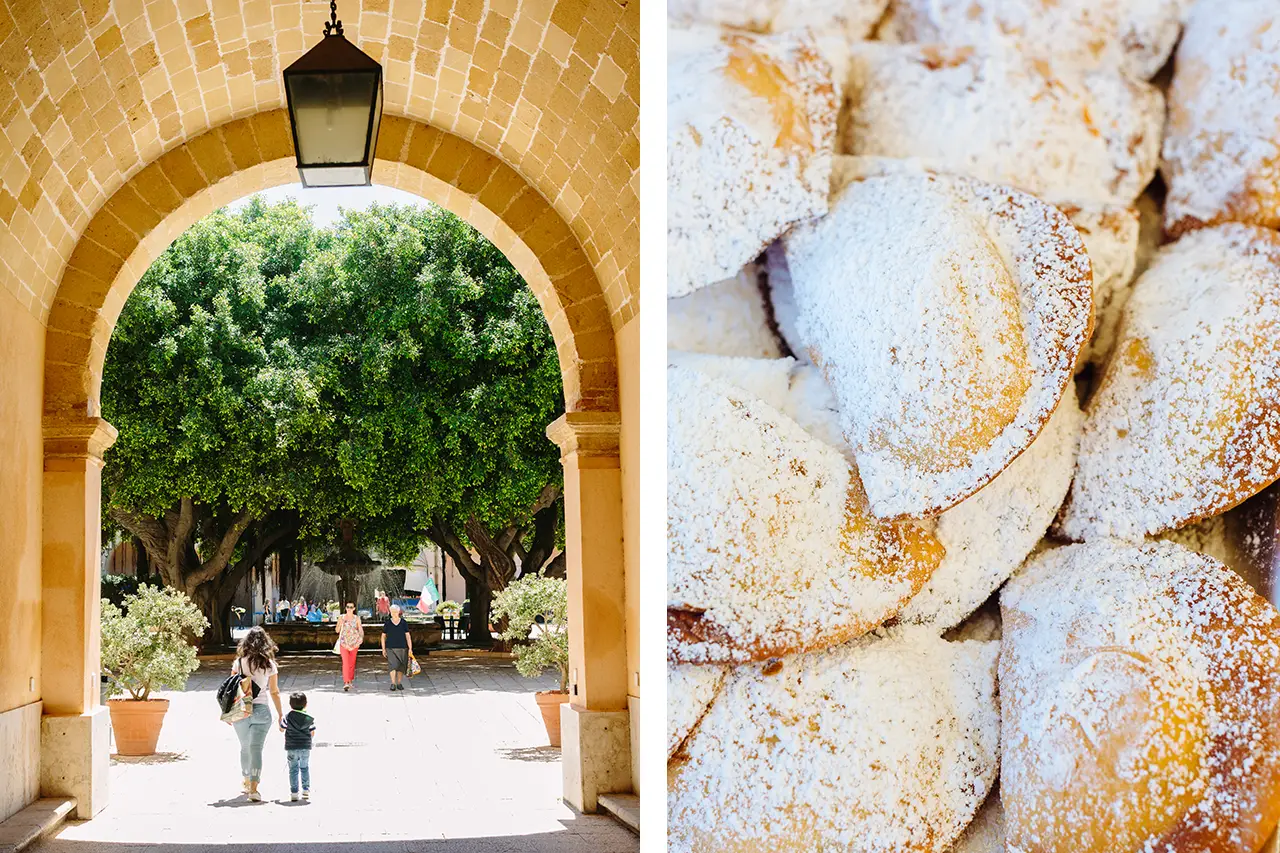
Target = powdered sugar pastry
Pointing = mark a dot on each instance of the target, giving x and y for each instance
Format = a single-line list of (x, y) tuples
[(770, 547), (1222, 142), (750, 132), (729, 318), (947, 315), (1139, 683), (1131, 36), (1186, 420), (852, 19), (998, 115), (885, 744), (690, 691)]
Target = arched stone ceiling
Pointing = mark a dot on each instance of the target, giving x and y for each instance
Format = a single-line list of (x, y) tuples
[(92, 92)]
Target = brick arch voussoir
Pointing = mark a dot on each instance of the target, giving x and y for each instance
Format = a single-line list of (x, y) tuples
[(255, 153)]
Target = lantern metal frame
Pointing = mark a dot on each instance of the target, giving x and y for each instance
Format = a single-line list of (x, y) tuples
[(334, 55)]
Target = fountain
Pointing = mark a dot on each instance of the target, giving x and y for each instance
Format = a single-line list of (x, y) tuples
[(345, 574)]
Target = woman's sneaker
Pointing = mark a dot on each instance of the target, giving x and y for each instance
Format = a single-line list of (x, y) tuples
[(293, 797), (255, 797), (306, 794)]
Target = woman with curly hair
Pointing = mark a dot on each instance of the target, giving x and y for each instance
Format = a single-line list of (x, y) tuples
[(256, 664)]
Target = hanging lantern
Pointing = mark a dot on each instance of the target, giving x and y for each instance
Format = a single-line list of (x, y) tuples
[(334, 93)]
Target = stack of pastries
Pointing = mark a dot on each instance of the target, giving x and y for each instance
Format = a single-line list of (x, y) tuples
[(973, 420)]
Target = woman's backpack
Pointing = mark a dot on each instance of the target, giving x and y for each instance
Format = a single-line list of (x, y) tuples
[(230, 690)]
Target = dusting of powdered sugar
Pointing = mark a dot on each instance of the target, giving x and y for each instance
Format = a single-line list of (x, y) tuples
[(796, 390), (1110, 235), (1140, 682), (770, 547), (947, 315), (690, 691), (1130, 36), (750, 134), (853, 19), (727, 318), (988, 535), (886, 744), (997, 115), (1221, 155), (986, 833), (1186, 420)]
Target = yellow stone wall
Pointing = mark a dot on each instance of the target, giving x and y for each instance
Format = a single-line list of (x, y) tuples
[(21, 458), (90, 93), (123, 121), (629, 447)]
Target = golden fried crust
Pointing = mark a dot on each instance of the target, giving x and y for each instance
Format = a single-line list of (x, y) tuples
[(1140, 699)]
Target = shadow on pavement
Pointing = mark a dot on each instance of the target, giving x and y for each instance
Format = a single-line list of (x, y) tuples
[(531, 753), (581, 834)]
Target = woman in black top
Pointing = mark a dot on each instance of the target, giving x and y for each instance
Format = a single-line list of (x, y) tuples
[(397, 646)]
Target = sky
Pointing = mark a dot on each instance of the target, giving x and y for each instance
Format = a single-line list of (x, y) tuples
[(325, 202)]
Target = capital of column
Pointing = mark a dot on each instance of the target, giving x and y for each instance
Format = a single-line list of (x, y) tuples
[(586, 434), (77, 438)]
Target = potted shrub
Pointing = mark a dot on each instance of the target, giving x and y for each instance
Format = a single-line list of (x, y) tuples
[(537, 612), (147, 646)]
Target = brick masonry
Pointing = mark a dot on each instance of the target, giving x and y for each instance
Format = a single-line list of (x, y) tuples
[(123, 121)]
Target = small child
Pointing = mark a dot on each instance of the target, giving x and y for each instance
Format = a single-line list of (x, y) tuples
[(298, 728)]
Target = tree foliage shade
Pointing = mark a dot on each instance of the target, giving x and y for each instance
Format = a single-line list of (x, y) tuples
[(270, 379)]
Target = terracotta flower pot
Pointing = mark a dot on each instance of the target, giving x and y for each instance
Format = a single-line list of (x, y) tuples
[(137, 724), (549, 702)]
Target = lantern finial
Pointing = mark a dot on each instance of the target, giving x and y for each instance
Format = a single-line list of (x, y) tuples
[(333, 27)]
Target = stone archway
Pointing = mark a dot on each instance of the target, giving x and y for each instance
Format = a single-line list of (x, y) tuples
[(118, 245)]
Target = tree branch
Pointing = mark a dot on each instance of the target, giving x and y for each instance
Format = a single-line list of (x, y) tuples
[(443, 535), (222, 554), (499, 568), (557, 567), (152, 532), (179, 532)]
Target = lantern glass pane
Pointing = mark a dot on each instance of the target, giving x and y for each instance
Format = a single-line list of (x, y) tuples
[(331, 116), (334, 176)]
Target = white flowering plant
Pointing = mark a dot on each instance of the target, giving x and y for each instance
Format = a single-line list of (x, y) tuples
[(537, 612), (148, 645)]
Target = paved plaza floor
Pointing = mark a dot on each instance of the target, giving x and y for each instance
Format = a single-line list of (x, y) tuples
[(456, 763)]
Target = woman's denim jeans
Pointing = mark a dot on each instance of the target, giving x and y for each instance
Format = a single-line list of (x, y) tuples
[(252, 731)]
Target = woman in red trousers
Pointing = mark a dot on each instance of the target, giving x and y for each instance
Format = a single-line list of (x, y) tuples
[(350, 636)]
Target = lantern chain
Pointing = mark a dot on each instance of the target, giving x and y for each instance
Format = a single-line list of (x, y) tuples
[(333, 26)]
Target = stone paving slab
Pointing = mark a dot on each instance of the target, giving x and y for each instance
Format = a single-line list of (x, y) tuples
[(457, 762)]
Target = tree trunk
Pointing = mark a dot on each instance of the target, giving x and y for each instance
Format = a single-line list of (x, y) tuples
[(479, 600), (205, 597)]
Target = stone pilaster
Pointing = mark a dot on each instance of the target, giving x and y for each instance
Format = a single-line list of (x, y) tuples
[(75, 729), (595, 732)]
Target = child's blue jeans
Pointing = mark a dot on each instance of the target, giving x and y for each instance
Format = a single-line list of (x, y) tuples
[(299, 763)]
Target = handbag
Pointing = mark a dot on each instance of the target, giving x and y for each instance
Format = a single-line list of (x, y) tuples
[(337, 646), (232, 701), (414, 667), (241, 708), (231, 687)]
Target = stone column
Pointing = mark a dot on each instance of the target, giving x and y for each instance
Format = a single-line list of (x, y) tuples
[(75, 729), (595, 730)]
